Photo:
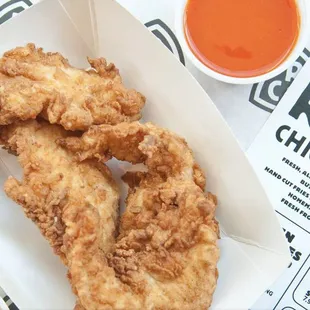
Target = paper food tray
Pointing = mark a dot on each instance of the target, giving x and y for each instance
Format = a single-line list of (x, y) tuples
[(253, 249)]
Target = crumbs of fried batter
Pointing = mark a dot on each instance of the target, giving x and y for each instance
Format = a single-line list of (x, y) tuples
[(165, 256), (36, 83), (52, 180)]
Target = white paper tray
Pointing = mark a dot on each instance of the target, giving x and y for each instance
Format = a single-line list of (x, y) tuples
[(253, 249)]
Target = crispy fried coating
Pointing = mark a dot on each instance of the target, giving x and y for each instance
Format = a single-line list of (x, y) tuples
[(36, 83), (53, 182), (166, 254)]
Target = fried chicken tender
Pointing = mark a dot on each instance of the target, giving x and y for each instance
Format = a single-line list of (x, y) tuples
[(166, 254), (33, 82), (54, 182)]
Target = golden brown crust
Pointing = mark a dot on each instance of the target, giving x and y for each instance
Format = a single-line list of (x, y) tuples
[(52, 179), (34, 82), (166, 254)]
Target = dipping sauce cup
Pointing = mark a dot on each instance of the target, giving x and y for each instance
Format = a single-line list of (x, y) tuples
[(243, 41)]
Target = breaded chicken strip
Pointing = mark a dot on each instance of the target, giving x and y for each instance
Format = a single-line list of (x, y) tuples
[(53, 182), (33, 82), (166, 254)]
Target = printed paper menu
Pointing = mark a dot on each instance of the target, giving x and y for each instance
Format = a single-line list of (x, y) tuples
[(280, 155)]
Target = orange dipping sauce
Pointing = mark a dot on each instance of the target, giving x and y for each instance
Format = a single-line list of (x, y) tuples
[(241, 38)]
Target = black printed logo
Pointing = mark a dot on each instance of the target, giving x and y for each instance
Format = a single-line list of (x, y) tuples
[(302, 105), (12, 7), (167, 37), (266, 95)]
